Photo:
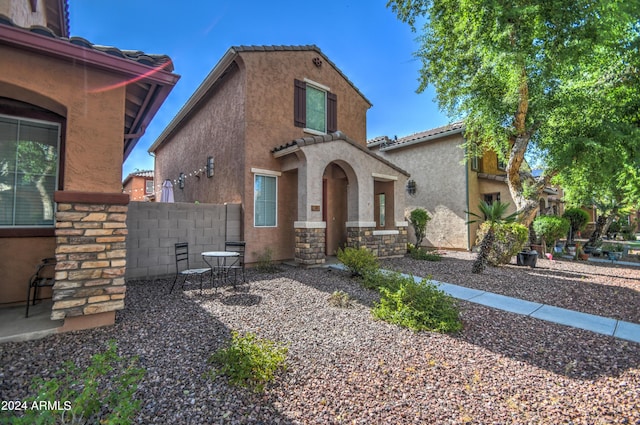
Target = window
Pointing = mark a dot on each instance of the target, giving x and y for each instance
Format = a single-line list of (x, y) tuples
[(28, 172), (315, 107), (149, 186), (265, 201), (501, 164), (381, 210), (474, 163)]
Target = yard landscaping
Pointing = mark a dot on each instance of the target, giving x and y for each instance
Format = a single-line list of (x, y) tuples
[(345, 367)]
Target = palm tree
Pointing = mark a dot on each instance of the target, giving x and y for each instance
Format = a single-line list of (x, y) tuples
[(493, 213)]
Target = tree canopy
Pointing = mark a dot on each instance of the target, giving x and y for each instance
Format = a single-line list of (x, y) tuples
[(549, 77)]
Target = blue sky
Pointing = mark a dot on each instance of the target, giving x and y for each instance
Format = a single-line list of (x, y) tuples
[(362, 37)]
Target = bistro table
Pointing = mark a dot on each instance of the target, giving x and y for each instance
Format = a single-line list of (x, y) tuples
[(217, 260)]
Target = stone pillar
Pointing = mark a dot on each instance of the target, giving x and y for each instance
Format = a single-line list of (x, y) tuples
[(310, 242), (91, 262)]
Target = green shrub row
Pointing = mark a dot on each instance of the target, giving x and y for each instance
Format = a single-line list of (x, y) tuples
[(403, 301)]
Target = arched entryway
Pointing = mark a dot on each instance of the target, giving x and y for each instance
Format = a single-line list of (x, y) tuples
[(335, 185)]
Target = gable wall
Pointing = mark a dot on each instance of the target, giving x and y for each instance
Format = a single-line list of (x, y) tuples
[(441, 188)]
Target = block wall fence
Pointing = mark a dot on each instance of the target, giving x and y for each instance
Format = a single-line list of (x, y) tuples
[(154, 228)]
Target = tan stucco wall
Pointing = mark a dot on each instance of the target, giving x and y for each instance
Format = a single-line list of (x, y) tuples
[(93, 154), (438, 170)]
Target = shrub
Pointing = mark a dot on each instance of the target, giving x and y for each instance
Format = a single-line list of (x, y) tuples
[(509, 239), (340, 299), (551, 228), (359, 261), (264, 263), (419, 219), (423, 254), (102, 393), (250, 362), (578, 219), (417, 306)]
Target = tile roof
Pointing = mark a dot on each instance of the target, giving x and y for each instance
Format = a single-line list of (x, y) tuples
[(338, 135), (133, 55), (423, 136)]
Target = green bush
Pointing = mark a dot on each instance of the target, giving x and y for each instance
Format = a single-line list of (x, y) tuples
[(250, 362), (419, 219), (509, 240), (423, 254), (551, 228), (359, 261), (578, 219), (417, 306), (102, 393)]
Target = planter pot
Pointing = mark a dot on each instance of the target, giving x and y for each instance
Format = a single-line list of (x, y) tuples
[(583, 256)]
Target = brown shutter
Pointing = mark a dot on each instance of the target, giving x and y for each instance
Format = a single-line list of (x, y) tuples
[(300, 103), (332, 112)]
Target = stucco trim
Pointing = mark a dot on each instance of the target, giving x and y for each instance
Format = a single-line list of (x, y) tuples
[(385, 232), (309, 225), (384, 177), (361, 224), (402, 224), (265, 172)]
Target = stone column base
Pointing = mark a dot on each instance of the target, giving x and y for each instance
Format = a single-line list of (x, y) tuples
[(310, 243), (384, 243)]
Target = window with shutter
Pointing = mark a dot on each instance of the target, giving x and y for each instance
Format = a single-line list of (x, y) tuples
[(315, 108)]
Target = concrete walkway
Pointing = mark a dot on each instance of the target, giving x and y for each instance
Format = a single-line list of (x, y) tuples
[(590, 322)]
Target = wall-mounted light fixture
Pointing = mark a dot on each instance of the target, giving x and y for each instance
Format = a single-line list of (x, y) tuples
[(210, 166), (411, 187), (181, 181)]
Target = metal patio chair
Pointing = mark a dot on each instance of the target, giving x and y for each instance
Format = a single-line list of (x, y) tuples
[(182, 266), (238, 266), (43, 277)]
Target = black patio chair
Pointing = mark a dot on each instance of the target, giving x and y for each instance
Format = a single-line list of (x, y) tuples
[(182, 266), (43, 277), (238, 266)]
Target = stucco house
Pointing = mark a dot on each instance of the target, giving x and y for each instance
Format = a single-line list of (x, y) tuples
[(282, 131), (447, 186), (70, 114), (139, 185)]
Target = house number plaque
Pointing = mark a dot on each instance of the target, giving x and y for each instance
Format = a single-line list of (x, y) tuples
[(315, 207)]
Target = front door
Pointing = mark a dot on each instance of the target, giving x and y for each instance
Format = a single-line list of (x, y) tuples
[(334, 208)]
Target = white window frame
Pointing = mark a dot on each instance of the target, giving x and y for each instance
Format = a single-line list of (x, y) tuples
[(270, 174), (146, 187), (325, 90), (57, 174)]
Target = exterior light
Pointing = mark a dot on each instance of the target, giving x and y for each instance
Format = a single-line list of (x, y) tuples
[(210, 166), (181, 181), (411, 187)]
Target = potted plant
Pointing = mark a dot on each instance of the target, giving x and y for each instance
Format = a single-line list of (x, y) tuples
[(580, 254)]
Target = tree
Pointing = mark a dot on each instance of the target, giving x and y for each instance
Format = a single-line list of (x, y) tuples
[(521, 73), (550, 228), (419, 219), (494, 214)]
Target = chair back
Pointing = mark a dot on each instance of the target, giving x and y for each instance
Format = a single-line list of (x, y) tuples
[(182, 256), (236, 246)]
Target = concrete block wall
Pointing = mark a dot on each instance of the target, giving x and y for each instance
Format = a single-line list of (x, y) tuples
[(154, 228)]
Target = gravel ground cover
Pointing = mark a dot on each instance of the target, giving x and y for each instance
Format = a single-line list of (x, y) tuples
[(345, 367), (605, 289)]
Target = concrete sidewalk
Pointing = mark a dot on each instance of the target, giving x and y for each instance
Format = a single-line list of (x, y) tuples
[(590, 322)]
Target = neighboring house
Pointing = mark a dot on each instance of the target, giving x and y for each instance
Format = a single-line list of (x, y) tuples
[(281, 130), (447, 186), (70, 114), (139, 186)]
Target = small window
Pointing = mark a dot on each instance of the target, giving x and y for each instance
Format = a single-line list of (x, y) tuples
[(149, 187), (315, 108), (501, 164), (265, 201), (382, 210), (474, 163), (29, 152)]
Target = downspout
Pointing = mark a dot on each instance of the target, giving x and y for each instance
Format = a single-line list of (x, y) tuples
[(466, 175)]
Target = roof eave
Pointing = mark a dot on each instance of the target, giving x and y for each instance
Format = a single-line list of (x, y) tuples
[(422, 139), (208, 83)]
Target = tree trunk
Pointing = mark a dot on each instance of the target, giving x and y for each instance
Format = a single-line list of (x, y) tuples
[(480, 262)]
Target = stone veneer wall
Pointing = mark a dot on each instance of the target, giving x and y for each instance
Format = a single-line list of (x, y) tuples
[(310, 245), (91, 259), (382, 243)]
